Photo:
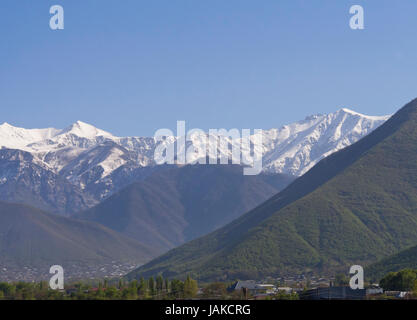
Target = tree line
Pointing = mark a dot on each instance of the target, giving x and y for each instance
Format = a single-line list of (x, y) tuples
[(144, 289), (404, 280)]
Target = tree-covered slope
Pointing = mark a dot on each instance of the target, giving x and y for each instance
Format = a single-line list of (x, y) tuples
[(179, 204), (32, 238), (356, 206), (406, 259)]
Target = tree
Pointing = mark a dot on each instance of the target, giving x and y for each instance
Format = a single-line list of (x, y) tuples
[(142, 288), (133, 290), (112, 293), (134, 285), (159, 284), (286, 296), (190, 288), (341, 280), (100, 293), (415, 289), (151, 285), (177, 289), (166, 286), (217, 290), (399, 281)]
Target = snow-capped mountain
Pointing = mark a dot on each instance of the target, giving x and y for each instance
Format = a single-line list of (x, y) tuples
[(23, 179), (98, 163), (297, 147), (19, 138)]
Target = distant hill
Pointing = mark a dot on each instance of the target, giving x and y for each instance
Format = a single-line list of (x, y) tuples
[(31, 238), (354, 207), (178, 204), (406, 259)]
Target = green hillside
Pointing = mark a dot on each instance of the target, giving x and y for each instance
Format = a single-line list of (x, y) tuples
[(32, 238), (179, 204), (354, 207), (406, 259)]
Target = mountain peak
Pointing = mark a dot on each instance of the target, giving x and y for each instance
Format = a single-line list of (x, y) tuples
[(85, 130), (16, 137), (354, 113), (81, 123)]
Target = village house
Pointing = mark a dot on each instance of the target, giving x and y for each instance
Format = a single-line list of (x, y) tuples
[(253, 288)]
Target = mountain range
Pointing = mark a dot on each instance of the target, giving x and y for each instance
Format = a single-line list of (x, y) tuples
[(112, 208), (355, 206), (70, 170)]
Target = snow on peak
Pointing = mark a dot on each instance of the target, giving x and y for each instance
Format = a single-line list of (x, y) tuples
[(85, 130), (297, 147), (349, 111), (15, 137), (346, 110), (292, 149)]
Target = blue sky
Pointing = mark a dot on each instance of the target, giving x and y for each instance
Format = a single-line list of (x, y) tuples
[(131, 67)]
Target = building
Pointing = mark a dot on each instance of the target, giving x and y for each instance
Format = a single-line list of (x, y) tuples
[(398, 294), (333, 293), (374, 291), (286, 290), (253, 288)]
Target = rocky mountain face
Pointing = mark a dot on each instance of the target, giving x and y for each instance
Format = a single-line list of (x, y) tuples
[(24, 179), (296, 148), (72, 169)]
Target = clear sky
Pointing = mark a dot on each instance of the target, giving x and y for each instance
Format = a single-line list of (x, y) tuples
[(131, 67)]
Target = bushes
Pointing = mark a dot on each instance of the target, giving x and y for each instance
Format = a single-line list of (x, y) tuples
[(404, 280)]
